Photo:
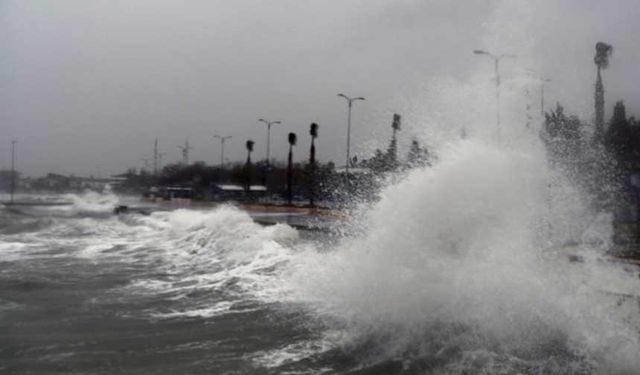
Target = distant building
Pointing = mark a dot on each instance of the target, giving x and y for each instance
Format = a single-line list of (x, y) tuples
[(169, 193), (52, 181), (5, 179), (60, 183), (221, 192)]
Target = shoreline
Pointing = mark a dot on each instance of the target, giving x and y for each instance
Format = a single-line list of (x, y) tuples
[(250, 207), (266, 214)]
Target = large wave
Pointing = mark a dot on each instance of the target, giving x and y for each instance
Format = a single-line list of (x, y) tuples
[(466, 266)]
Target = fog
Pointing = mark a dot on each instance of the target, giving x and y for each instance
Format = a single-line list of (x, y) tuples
[(86, 86)]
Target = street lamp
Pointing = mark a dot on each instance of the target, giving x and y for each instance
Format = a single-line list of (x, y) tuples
[(269, 123), (542, 81), (350, 101), (266, 167), (496, 60), (222, 139)]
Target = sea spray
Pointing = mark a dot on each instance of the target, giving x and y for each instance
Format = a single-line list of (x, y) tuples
[(453, 261), (90, 201), (222, 250)]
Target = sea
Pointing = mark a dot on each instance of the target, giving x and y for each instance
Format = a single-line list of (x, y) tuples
[(488, 262)]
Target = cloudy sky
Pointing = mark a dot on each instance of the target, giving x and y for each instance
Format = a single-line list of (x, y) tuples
[(86, 85)]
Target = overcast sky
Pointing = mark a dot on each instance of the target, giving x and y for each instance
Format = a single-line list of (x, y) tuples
[(86, 85)]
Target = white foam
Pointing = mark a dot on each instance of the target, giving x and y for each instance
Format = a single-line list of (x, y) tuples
[(462, 244), (90, 202)]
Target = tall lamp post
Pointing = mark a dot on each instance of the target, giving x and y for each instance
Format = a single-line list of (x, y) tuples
[(266, 167), (269, 123), (542, 81), (496, 61), (222, 139), (13, 168), (350, 102)]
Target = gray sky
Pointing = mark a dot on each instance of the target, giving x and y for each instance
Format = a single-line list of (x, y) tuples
[(86, 85)]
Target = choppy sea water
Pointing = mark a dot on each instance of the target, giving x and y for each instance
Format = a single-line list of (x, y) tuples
[(439, 276), (83, 291)]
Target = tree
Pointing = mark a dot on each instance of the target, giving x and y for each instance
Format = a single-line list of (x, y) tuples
[(392, 151), (620, 137), (621, 142), (292, 141), (562, 136), (417, 156), (592, 169), (313, 131), (382, 162), (601, 59), (377, 163)]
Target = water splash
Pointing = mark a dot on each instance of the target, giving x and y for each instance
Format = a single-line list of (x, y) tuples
[(455, 260), (91, 202)]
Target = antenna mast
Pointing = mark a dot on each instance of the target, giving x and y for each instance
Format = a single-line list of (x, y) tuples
[(185, 151)]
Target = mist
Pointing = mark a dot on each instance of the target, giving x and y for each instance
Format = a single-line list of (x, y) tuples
[(87, 86)]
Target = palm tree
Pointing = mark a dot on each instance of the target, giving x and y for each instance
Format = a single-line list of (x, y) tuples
[(392, 153), (249, 146), (601, 59), (313, 131), (292, 141), (395, 125)]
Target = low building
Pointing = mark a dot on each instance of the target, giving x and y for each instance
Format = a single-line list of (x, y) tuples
[(222, 192)]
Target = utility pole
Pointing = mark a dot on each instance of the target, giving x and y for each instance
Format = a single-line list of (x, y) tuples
[(185, 152), (222, 140), (350, 102), (13, 168)]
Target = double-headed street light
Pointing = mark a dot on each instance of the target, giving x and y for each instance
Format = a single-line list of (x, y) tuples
[(350, 101), (222, 139), (267, 166), (269, 123), (496, 60)]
